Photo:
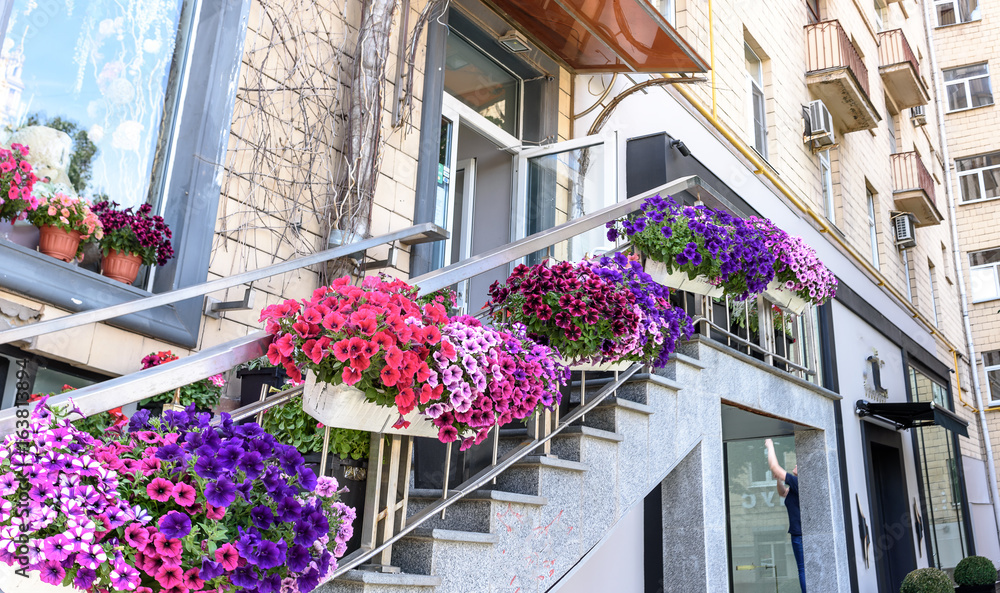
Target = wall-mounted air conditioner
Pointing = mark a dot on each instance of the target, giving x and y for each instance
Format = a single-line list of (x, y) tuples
[(917, 116), (905, 231), (820, 124)]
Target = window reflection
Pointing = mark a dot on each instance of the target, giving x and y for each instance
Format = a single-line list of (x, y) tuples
[(99, 72), (476, 80)]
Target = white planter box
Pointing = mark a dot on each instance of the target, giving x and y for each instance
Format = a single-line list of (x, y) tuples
[(342, 406), (10, 582), (680, 280), (785, 299), (603, 367)]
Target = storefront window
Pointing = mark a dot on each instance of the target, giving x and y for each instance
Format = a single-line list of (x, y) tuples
[(760, 548), (100, 72), (937, 452)]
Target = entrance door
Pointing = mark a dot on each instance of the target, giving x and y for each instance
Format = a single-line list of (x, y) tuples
[(892, 541)]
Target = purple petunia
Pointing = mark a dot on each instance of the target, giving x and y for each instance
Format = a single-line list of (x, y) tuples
[(175, 525), (221, 493)]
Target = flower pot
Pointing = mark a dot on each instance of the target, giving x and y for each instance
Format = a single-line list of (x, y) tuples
[(680, 280), (604, 367), (58, 243), (123, 267), (252, 380), (342, 406), (784, 298), (22, 233)]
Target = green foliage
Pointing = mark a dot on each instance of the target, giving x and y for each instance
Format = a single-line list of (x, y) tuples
[(750, 318), (293, 426), (927, 580), (975, 570), (203, 394), (84, 150)]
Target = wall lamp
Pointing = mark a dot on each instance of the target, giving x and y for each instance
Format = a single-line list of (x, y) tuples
[(680, 146)]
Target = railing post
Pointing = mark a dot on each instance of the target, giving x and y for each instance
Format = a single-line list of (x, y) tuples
[(386, 497), (765, 327)]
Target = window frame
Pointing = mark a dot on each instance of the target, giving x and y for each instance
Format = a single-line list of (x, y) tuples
[(964, 82), (872, 228), (932, 278), (955, 7), (193, 182), (994, 267), (978, 172), (994, 398), (755, 94)]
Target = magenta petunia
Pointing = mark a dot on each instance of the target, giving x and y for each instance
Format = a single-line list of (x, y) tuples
[(160, 489)]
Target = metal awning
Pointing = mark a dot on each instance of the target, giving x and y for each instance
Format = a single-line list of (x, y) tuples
[(914, 415), (592, 36)]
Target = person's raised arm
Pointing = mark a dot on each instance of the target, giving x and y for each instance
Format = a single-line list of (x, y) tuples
[(776, 470)]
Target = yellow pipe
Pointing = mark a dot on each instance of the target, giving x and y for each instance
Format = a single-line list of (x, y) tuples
[(821, 221), (958, 379)]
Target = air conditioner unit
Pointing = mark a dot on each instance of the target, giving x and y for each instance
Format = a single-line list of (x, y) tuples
[(820, 124), (905, 231), (917, 116)]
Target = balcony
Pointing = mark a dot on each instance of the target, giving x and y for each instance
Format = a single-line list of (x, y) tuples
[(900, 70), (914, 188), (836, 74)]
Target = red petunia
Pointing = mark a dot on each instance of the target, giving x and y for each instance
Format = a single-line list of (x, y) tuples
[(394, 357), (389, 376), (333, 321), (432, 335), (351, 376), (342, 350), (406, 400), (361, 363), (384, 340), (448, 350)]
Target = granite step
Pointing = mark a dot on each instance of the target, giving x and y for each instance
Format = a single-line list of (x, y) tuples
[(475, 511), (530, 474), (363, 581), (441, 551)]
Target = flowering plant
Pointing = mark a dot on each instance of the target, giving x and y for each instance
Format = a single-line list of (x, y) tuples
[(380, 339), (700, 241), (660, 324), (69, 213), (796, 265), (165, 507), (17, 181), (136, 232), (204, 394), (489, 378), (95, 424), (569, 307), (292, 425)]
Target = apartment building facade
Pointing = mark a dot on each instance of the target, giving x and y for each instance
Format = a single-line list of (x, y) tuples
[(498, 122)]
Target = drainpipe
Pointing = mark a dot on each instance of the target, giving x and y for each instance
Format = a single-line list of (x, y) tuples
[(960, 276)]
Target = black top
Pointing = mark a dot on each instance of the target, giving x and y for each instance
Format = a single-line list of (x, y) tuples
[(792, 504)]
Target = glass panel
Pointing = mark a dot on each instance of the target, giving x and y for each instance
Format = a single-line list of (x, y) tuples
[(939, 470), (753, 65), (563, 186), (970, 187), (991, 358), (983, 284), (443, 191), (946, 14), (978, 162), (969, 10), (475, 79), (956, 96), (52, 381), (965, 72), (980, 90), (456, 219), (99, 72), (987, 256), (759, 122), (760, 547), (991, 182)]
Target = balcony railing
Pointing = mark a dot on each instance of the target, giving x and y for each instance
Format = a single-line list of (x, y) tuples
[(895, 49), (909, 173), (828, 47)]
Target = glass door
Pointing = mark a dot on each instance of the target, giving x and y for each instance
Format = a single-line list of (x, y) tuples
[(760, 550)]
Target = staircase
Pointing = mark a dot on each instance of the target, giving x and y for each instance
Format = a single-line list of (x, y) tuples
[(546, 512)]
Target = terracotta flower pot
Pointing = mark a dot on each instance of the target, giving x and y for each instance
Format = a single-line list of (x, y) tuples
[(58, 243), (123, 267)]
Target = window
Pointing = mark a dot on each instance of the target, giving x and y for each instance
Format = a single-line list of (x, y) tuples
[(991, 362), (979, 177), (983, 271), (932, 280), (891, 127), (668, 8), (968, 87), (757, 107), (826, 179), (480, 82), (939, 463), (812, 7), (950, 12), (103, 79), (872, 228), (881, 15)]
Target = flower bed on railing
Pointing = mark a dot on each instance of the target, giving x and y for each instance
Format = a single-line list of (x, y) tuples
[(398, 352), (172, 504), (713, 252)]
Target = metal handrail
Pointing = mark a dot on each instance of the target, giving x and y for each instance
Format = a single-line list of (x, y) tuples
[(484, 476), (743, 341), (183, 294)]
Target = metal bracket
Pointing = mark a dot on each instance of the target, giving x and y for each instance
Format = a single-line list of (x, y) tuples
[(214, 308), (388, 262)]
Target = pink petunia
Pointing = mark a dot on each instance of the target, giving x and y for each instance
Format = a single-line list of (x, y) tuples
[(160, 489), (228, 556), (184, 494)]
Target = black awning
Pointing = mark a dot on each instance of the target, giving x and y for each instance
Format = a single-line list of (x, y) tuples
[(914, 415)]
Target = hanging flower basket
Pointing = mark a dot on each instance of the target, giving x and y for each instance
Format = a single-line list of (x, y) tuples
[(343, 406), (603, 367), (784, 298), (680, 280)]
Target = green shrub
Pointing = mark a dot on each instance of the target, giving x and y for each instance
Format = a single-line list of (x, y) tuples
[(975, 570), (292, 426), (927, 580)]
